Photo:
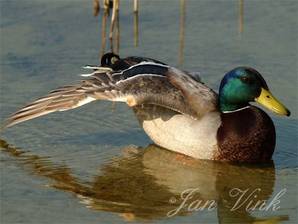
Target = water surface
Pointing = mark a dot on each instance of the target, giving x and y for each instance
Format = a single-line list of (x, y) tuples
[(95, 164)]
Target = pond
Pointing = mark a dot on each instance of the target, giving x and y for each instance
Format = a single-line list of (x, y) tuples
[(95, 164)]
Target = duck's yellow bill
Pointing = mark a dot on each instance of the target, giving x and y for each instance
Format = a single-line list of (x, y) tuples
[(270, 102)]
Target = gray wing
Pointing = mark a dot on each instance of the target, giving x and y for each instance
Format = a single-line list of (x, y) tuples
[(144, 83), (200, 98)]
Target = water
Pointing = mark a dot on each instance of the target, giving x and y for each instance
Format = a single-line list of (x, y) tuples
[(95, 164)]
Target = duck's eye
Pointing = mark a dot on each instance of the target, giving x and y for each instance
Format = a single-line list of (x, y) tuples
[(246, 79)]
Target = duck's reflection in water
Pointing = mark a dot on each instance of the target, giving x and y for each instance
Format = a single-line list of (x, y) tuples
[(147, 184)]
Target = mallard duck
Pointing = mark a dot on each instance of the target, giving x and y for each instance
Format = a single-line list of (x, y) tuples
[(176, 110)]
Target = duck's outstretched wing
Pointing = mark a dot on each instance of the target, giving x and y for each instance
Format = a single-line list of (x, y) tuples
[(133, 80), (143, 83)]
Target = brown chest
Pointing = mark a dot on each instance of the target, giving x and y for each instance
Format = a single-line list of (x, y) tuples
[(247, 135)]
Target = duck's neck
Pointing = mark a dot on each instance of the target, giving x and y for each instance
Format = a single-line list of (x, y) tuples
[(227, 107)]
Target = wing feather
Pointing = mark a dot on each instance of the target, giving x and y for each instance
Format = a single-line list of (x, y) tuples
[(143, 83), (200, 97)]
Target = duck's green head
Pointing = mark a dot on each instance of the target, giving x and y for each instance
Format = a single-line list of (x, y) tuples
[(243, 85)]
